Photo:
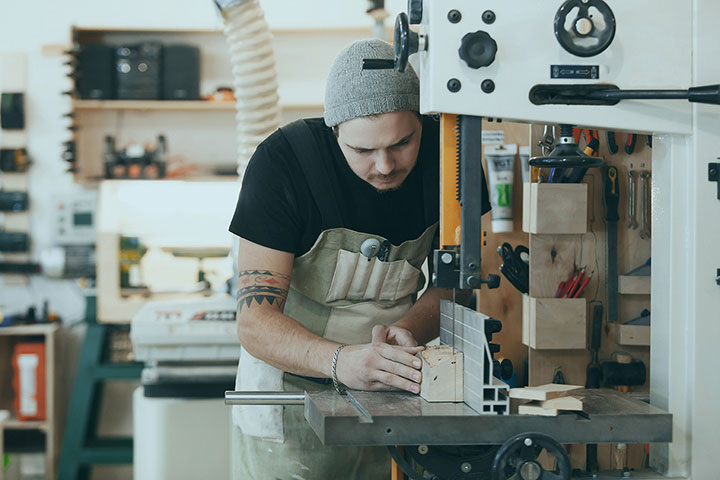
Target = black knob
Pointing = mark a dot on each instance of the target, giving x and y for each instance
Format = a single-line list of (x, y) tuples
[(415, 10), (406, 42), (478, 49)]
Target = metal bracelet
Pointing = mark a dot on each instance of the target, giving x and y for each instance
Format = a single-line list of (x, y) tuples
[(336, 384)]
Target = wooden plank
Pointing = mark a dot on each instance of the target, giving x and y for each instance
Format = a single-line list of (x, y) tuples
[(442, 374), (634, 284), (570, 402), (505, 302), (534, 408), (543, 392)]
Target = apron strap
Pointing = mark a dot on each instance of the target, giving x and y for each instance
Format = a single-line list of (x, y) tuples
[(303, 143)]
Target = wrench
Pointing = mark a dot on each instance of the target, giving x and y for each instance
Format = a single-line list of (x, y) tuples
[(547, 141), (645, 206), (631, 222)]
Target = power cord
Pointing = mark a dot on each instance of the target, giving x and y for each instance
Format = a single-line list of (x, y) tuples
[(515, 268)]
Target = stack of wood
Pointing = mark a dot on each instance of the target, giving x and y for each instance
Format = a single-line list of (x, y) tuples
[(547, 400)]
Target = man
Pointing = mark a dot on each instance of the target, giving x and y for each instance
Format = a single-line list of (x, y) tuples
[(335, 217)]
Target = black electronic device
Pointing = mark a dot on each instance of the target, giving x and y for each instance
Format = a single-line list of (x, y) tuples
[(13, 160), (95, 72), (14, 242), (13, 201), (138, 71), (181, 72), (12, 111), (135, 161)]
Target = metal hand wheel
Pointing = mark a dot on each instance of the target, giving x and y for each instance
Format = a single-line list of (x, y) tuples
[(518, 457), (591, 30)]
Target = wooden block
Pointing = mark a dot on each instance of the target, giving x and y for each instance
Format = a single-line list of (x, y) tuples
[(442, 374), (554, 323), (552, 260), (632, 334), (544, 392), (634, 284), (555, 208)]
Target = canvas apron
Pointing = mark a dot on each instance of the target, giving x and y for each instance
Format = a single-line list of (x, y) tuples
[(339, 294)]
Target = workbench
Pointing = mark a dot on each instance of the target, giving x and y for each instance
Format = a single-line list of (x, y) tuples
[(397, 418)]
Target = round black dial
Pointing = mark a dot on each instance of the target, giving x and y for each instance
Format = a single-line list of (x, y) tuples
[(478, 49)]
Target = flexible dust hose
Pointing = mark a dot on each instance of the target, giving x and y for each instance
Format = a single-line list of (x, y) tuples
[(254, 77)]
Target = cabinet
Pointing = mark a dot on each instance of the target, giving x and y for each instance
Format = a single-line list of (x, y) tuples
[(13, 432)]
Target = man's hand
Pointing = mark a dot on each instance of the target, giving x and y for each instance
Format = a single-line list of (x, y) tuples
[(379, 366), (393, 336)]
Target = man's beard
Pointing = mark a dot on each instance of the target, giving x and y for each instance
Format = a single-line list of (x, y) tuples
[(394, 175)]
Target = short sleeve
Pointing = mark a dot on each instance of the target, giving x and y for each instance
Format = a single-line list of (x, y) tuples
[(266, 211)]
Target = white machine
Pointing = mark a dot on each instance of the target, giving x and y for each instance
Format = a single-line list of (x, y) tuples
[(190, 350), (622, 65)]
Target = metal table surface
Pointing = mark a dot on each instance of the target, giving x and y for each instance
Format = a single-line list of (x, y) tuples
[(396, 418)]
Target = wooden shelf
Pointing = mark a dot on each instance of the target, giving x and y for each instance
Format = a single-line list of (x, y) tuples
[(156, 105), (171, 105), (41, 329), (13, 423)]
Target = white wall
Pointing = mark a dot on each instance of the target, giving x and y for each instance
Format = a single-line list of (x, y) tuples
[(26, 26)]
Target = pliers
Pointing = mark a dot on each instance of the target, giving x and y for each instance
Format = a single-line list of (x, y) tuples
[(629, 144)]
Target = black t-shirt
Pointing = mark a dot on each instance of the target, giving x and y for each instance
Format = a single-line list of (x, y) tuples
[(276, 207)]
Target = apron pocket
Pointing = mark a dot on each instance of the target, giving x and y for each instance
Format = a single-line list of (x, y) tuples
[(359, 278)]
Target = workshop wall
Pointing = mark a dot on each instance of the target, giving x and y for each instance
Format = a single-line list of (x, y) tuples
[(29, 26)]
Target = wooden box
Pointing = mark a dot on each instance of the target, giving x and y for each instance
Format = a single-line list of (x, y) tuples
[(554, 323), (555, 208), (637, 335), (634, 284)]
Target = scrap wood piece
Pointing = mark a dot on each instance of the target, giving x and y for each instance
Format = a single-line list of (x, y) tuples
[(551, 408), (544, 392)]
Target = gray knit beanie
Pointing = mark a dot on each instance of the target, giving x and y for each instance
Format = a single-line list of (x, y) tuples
[(351, 92)]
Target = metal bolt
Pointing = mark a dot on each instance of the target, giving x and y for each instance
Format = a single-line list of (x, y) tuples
[(488, 86), (471, 266), (454, 85), (473, 281), (466, 467), (446, 258), (423, 449), (713, 172), (528, 442), (488, 17), (454, 16)]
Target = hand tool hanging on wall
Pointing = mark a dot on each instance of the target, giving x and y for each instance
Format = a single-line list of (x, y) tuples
[(593, 375), (612, 196), (645, 204), (566, 155), (514, 267), (629, 142), (631, 221)]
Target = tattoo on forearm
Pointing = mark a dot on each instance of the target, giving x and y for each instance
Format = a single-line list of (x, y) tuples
[(262, 286)]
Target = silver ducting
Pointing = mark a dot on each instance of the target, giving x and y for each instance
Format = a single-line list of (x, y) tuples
[(254, 77)]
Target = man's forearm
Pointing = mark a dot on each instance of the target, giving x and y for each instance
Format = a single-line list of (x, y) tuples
[(282, 342)]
